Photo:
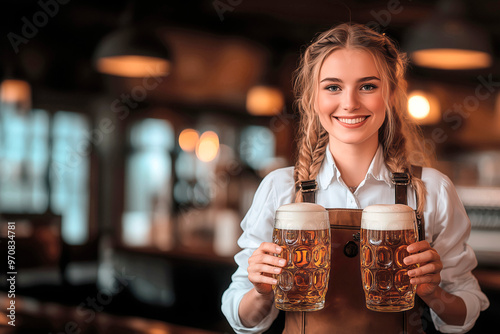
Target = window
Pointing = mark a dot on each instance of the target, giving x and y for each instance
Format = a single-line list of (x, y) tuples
[(45, 161), (148, 182), (70, 170)]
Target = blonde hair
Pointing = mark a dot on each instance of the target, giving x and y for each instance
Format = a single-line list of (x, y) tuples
[(401, 141)]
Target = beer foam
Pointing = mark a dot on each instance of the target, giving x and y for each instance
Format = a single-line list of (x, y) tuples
[(302, 216), (388, 217)]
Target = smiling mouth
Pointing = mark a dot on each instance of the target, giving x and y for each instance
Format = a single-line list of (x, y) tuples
[(351, 120)]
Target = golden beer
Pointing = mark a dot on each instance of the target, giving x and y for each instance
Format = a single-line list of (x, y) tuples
[(386, 231), (303, 232)]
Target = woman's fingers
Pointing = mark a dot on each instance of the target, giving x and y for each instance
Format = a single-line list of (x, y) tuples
[(262, 277), (422, 253), (418, 246), (427, 275), (423, 258), (429, 268), (263, 264), (269, 247), (262, 256), (434, 279), (263, 268), (267, 259)]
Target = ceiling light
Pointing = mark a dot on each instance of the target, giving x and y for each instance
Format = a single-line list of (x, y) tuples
[(448, 41), (16, 92), (133, 50), (263, 100), (424, 107)]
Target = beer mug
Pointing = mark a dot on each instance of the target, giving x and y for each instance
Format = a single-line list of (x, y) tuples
[(386, 231), (303, 232)]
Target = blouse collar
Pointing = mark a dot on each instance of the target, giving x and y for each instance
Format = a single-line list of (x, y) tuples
[(329, 172)]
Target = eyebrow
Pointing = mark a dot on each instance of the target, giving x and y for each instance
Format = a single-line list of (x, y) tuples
[(359, 80)]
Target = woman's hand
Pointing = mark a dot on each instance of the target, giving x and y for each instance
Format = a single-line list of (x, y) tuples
[(428, 275), (262, 265), (450, 308)]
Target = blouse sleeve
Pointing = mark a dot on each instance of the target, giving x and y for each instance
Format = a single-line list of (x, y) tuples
[(257, 227), (449, 231)]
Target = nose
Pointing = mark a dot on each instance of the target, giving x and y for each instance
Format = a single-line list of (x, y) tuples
[(350, 101)]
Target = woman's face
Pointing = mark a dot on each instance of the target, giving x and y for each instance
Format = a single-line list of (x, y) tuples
[(350, 101)]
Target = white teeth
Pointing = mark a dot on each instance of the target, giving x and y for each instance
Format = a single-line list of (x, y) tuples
[(352, 120)]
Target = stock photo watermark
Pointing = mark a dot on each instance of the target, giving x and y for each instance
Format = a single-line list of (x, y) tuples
[(30, 26), (121, 108), (383, 17), (87, 310), (454, 117), (11, 272), (231, 168), (223, 6)]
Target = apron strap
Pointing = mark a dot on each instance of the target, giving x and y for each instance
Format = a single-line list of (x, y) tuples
[(400, 180), (416, 171), (308, 189)]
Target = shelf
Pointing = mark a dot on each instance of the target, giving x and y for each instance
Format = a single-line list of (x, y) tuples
[(36, 316), (479, 196)]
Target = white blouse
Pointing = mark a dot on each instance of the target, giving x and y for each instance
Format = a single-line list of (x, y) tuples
[(447, 229)]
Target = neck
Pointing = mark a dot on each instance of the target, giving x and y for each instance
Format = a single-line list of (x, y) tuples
[(353, 161)]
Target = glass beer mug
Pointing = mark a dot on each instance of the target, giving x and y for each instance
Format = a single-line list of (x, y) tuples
[(386, 231), (303, 232)]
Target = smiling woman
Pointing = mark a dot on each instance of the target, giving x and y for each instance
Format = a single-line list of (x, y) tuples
[(354, 143), (351, 105)]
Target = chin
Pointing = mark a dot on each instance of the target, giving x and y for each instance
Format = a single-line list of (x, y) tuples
[(354, 139)]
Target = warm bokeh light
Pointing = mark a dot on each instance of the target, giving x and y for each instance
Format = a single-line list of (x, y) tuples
[(16, 92), (451, 59), (424, 107), (264, 101), (134, 66), (418, 106), (158, 330), (208, 146), (188, 139)]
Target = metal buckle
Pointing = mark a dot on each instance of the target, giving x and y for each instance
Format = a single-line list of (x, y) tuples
[(401, 179), (308, 186)]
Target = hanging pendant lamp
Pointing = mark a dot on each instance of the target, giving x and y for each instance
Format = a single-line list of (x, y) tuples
[(15, 89), (447, 40), (133, 50)]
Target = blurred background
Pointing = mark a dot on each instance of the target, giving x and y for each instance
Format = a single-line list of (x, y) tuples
[(133, 135)]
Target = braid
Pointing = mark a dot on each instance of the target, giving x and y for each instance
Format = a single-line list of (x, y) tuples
[(395, 149), (312, 137), (401, 140), (313, 144), (397, 158)]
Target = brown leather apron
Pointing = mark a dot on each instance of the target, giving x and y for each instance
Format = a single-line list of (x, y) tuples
[(345, 310)]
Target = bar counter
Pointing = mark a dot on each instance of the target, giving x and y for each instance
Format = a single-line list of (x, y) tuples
[(32, 316)]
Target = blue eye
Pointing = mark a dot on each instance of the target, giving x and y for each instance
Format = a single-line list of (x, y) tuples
[(333, 88), (368, 87)]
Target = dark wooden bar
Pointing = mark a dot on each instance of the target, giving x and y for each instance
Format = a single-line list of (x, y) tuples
[(32, 316)]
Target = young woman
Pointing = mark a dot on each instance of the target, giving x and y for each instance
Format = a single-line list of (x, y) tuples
[(351, 95)]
